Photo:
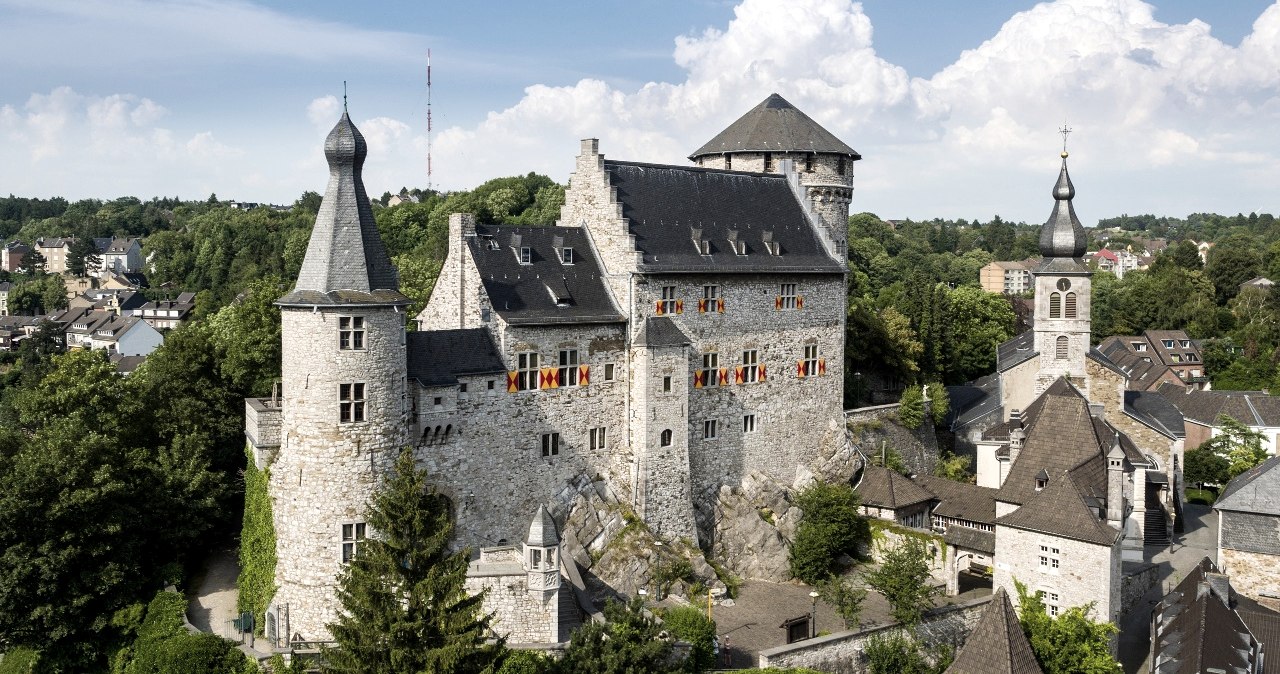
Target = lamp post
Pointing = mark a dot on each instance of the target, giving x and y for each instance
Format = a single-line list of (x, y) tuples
[(813, 614)]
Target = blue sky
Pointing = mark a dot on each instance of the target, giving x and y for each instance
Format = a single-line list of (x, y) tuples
[(954, 105)]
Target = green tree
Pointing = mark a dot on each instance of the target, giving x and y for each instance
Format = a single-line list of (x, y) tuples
[(911, 407), (404, 607), (690, 625), (954, 467), (899, 653), (246, 335), (1185, 254), (1238, 444), (846, 597), (977, 322), (1071, 643), (1232, 262), (34, 262), (82, 256), (903, 580), (830, 527), (1202, 464), (627, 643)]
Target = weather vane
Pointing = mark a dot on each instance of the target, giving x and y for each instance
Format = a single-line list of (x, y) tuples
[(1064, 130), (344, 104)]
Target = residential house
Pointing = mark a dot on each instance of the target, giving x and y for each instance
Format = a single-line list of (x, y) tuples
[(118, 255), (1201, 412), (1259, 282), (1203, 625), (1009, 278), (1172, 349), (55, 251), (168, 314), (13, 329), (402, 198), (1248, 545), (78, 285), (126, 281), (1203, 247), (125, 365), (11, 255), (1145, 370), (1118, 262), (113, 333), (5, 288), (888, 495)]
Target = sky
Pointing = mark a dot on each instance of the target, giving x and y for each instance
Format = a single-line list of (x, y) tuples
[(955, 106)]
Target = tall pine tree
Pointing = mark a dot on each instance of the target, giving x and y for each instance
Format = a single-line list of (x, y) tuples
[(404, 608)]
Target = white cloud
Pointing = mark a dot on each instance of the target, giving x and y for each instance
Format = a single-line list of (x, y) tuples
[(323, 112)]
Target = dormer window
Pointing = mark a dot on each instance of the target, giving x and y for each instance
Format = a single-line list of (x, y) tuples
[(1168, 343), (704, 247), (526, 255), (1186, 343), (1041, 484), (566, 256)]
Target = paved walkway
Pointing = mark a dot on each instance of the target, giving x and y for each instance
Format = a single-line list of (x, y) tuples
[(1200, 540), (213, 605)]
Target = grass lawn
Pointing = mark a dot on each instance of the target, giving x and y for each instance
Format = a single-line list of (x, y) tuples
[(1201, 496)]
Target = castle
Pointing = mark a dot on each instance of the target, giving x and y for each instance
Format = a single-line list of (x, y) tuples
[(678, 328)]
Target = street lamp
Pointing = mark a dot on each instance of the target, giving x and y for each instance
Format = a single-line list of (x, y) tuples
[(813, 614)]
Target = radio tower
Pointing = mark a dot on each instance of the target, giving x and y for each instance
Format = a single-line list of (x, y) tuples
[(429, 186)]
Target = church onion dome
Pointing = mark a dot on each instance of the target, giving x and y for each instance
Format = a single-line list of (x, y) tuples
[(775, 126), (346, 262), (1063, 235)]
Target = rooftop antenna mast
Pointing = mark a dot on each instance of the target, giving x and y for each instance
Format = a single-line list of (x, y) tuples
[(429, 185)]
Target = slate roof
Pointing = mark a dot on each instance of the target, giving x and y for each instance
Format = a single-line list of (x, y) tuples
[(1256, 490), (546, 290), (661, 331), (1062, 236), (1154, 411), (1015, 351), (973, 401), (126, 364), (345, 263), (1188, 355), (997, 644), (960, 500), (1265, 625), (671, 208), (1251, 408), (1144, 372), (775, 126), (971, 539), (884, 488), (1062, 509), (542, 530), (1197, 630), (439, 357)]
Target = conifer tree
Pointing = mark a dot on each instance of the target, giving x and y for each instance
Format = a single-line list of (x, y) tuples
[(404, 608)]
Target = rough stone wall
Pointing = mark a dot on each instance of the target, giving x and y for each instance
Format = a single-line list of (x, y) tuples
[(1047, 330), (591, 202), (326, 470), (458, 297), (522, 617), (1253, 574), (491, 465), (1137, 580), (843, 652), (1197, 434), (660, 390), (1086, 572)]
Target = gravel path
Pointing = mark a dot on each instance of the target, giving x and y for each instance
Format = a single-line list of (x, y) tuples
[(213, 606)]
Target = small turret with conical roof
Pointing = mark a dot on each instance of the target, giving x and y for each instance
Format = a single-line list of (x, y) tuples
[(1062, 287), (542, 553)]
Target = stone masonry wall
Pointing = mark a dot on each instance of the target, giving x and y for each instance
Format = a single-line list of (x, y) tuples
[(326, 470), (1086, 572), (1253, 574), (522, 617), (458, 296), (591, 202), (660, 403), (1047, 330), (491, 465), (842, 652)]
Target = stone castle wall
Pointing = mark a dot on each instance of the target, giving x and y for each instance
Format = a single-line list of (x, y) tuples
[(326, 470), (660, 390), (591, 202), (1253, 574), (1086, 572), (522, 617)]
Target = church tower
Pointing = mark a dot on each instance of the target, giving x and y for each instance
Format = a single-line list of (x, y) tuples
[(1062, 283), (775, 132), (344, 418)]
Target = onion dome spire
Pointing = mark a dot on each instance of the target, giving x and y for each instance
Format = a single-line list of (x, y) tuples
[(1063, 235)]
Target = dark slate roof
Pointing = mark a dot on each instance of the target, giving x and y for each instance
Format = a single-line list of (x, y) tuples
[(997, 644), (1189, 354), (661, 331), (126, 364), (1144, 372), (1251, 408), (973, 401), (1265, 625), (1062, 509), (884, 488), (1256, 490), (1100, 358), (1197, 630), (546, 290), (345, 262), (775, 126), (1015, 351), (670, 208), (439, 357), (1063, 235), (1154, 411), (971, 539), (542, 530), (960, 500)]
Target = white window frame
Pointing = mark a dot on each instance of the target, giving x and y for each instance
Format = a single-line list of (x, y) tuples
[(351, 333), (598, 438), (527, 371), (669, 299), (568, 366), (351, 535), (566, 256), (526, 255), (810, 360), (550, 444), (710, 369), (750, 366), (749, 423), (1050, 559), (352, 403)]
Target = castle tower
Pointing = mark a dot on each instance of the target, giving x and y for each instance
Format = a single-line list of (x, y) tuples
[(776, 131), (542, 554), (343, 417), (1062, 283)]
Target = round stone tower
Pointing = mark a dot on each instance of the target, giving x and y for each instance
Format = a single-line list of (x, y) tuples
[(344, 417), (776, 131)]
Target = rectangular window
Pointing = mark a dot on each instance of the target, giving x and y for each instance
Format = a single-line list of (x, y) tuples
[(566, 255), (491, 384), (810, 360), (526, 255), (748, 423), (668, 303), (353, 535), (350, 332), (527, 371), (597, 438), (1051, 602), (750, 367), (1168, 343), (666, 384), (1049, 558), (351, 402), (787, 296), (709, 375), (550, 444), (710, 429), (568, 367), (608, 371), (711, 302)]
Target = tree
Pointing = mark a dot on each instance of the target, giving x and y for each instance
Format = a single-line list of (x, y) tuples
[(899, 653), (1238, 444), (1185, 254), (830, 527), (954, 467), (628, 642), (846, 597), (977, 323), (34, 263), (83, 256), (1202, 464), (1070, 643), (690, 625), (404, 607), (246, 334), (911, 407), (903, 579), (1232, 262)]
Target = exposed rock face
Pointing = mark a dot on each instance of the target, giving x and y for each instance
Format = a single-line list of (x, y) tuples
[(753, 525)]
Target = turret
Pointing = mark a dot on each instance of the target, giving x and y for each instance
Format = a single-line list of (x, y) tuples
[(542, 553)]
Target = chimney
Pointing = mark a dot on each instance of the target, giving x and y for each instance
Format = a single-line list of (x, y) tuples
[(1016, 439), (590, 147), (461, 226), (1096, 410), (1115, 486), (1221, 586), (1015, 415)]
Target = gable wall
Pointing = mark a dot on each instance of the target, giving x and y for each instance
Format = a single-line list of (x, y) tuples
[(1086, 572)]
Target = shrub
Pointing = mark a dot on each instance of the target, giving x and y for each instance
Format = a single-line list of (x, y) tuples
[(257, 544), (830, 527), (691, 625)]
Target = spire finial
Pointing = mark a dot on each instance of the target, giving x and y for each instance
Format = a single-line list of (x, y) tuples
[(344, 103), (1064, 130)]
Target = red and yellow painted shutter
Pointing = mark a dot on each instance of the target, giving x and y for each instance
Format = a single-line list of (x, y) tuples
[(800, 369), (737, 374), (702, 306), (760, 369), (679, 306), (800, 301), (660, 309), (822, 366), (549, 377), (777, 303), (584, 375), (724, 376), (512, 377), (698, 378), (720, 305)]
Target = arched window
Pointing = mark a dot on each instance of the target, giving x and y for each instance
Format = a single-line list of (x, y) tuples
[(1062, 347), (665, 438), (1055, 305), (447, 430), (1071, 305)]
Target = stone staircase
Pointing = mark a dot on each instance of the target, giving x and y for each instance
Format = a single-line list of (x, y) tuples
[(1156, 527)]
